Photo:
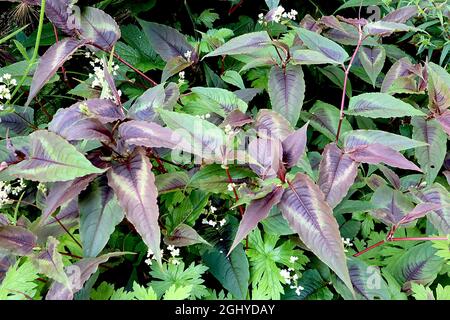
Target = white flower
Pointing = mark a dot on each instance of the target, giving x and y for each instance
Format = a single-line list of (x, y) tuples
[(175, 261), (181, 75), (222, 222), (228, 129), (293, 259), (188, 55), (278, 14), (261, 18), (231, 186), (2, 107), (13, 82), (170, 247), (286, 275), (7, 76), (213, 209), (212, 223), (298, 290), (295, 277)]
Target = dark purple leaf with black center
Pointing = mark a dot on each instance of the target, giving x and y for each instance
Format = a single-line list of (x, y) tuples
[(134, 185), (256, 211), (149, 134), (267, 154), (303, 205), (17, 240), (50, 62), (61, 193), (377, 153), (294, 146), (271, 124), (78, 274), (98, 27), (337, 172), (167, 41)]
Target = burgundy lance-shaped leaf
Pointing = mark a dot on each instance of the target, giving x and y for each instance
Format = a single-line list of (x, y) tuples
[(303, 205), (183, 236), (256, 211), (78, 274), (337, 172), (438, 195), (58, 12), (16, 123), (287, 91), (17, 240), (98, 27), (272, 124), (444, 120), (110, 82), (377, 153), (401, 15), (144, 106), (392, 205), (236, 118), (167, 41), (421, 210), (149, 134), (401, 68), (50, 62), (294, 146), (392, 177), (62, 192), (134, 185), (168, 182), (267, 153), (438, 87)]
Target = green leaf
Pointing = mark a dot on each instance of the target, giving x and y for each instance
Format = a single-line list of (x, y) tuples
[(244, 44), (178, 293), (224, 100), (52, 159), (234, 78), (213, 178), (19, 282), (372, 60), (380, 105)]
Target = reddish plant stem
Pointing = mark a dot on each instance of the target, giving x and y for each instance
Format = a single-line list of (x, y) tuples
[(420, 239), (63, 70), (235, 7), (230, 180), (344, 90), (370, 248), (68, 232), (71, 255)]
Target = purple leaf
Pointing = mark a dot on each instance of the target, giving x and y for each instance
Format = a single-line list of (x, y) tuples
[(287, 91), (421, 210), (236, 118), (62, 192), (17, 123), (444, 120), (78, 274), (17, 240), (247, 94), (134, 185), (372, 60), (58, 11), (50, 62), (149, 134), (294, 146), (438, 195), (50, 262), (184, 236), (6, 261), (386, 28), (392, 205), (377, 153), (3, 220), (399, 69), (393, 178), (172, 181), (174, 66), (167, 41), (244, 44), (98, 27), (267, 153), (438, 87), (303, 205), (256, 211), (401, 15), (337, 172), (271, 124), (144, 106)]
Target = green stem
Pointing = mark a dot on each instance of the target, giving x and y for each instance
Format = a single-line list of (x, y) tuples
[(36, 49)]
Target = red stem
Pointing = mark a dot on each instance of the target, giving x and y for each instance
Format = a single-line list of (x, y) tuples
[(344, 90), (230, 180), (63, 70), (68, 232), (420, 239), (370, 248), (235, 7)]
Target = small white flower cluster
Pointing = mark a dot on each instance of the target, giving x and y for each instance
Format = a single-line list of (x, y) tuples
[(347, 243), (291, 279), (150, 254), (174, 253), (188, 55), (277, 14), (181, 77), (99, 75), (228, 130), (231, 186), (7, 189), (204, 116), (213, 222), (6, 84), (42, 188)]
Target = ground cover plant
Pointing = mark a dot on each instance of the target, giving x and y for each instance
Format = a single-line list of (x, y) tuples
[(224, 150)]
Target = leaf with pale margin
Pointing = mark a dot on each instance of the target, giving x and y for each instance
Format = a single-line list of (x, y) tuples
[(50, 62), (438, 87), (380, 105), (372, 60), (183, 236), (223, 99), (294, 146), (430, 157), (337, 173), (134, 185), (438, 195), (144, 106), (376, 153), (52, 159), (287, 91), (268, 154), (244, 44), (327, 47), (303, 205), (98, 27), (99, 214), (271, 124)]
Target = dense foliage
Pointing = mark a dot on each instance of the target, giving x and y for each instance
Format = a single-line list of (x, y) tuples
[(224, 150)]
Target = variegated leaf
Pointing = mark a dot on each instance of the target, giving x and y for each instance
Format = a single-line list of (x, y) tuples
[(294, 146), (269, 123), (372, 60), (98, 27), (246, 43), (16, 240)]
